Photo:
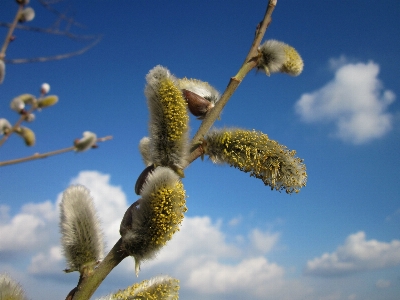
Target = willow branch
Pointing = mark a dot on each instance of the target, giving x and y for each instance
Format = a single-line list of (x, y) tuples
[(249, 63), (88, 285), (47, 154), (50, 31), (10, 32), (55, 57)]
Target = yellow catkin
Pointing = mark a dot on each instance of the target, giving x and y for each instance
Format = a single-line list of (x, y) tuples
[(168, 206), (150, 290), (293, 64), (254, 152), (174, 110)]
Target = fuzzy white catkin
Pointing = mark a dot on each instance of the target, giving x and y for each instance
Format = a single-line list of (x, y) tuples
[(144, 148), (10, 289), (82, 237), (200, 88), (4, 126), (85, 143), (168, 124)]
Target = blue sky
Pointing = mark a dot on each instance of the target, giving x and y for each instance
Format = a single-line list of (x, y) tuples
[(339, 238)]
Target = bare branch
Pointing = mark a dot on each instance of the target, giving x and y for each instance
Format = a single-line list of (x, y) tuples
[(55, 57), (47, 154)]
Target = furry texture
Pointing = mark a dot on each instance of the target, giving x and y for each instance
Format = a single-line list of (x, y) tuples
[(85, 143), (5, 126), (82, 238), (272, 56), (200, 88), (147, 228), (47, 101), (254, 152), (10, 289), (169, 127), (159, 287), (144, 148), (279, 57)]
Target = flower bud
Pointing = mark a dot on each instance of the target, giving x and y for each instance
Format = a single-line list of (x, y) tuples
[(5, 126), (28, 14), (200, 96), (146, 228), (159, 287), (17, 105), (30, 117), (88, 141), (277, 56), (144, 148), (45, 89), (2, 71), (47, 101), (82, 238), (27, 134), (169, 126), (28, 99), (254, 152), (10, 289), (142, 178)]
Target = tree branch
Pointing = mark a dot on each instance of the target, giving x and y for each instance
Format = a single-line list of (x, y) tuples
[(249, 63), (47, 154), (88, 286), (55, 57), (10, 32)]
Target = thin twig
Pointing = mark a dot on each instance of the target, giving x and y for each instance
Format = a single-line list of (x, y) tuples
[(47, 154), (55, 57), (249, 63), (10, 32)]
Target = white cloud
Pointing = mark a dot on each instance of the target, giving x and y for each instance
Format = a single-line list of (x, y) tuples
[(357, 254), (354, 101), (383, 284), (26, 231), (263, 241)]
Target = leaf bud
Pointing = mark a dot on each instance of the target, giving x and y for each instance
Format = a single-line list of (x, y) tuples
[(142, 178), (45, 89)]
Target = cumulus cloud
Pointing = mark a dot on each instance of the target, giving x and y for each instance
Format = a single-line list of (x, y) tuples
[(354, 101), (199, 254), (25, 231), (357, 254)]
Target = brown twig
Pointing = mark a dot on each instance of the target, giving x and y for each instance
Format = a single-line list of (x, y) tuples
[(249, 63), (10, 32), (55, 57), (47, 154)]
